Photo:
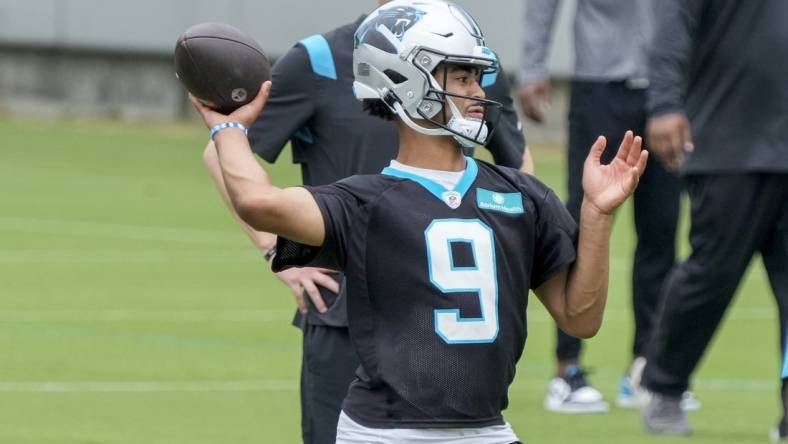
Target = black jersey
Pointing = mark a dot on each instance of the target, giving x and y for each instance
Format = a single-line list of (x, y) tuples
[(312, 105), (437, 285)]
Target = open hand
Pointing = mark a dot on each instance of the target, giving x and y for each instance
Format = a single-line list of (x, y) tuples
[(306, 280), (246, 114), (607, 186)]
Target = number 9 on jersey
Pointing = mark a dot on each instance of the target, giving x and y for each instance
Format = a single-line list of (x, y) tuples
[(481, 278)]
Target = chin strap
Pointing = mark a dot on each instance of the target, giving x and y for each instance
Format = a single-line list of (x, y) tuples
[(468, 132), (415, 126)]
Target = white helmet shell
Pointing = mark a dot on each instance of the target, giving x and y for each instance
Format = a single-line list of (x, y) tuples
[(399, 45)]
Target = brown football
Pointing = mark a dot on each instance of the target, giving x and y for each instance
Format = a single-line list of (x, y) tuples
[(220, 65)]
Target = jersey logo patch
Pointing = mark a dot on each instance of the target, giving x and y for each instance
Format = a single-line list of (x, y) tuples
[(509, 203), (452, 198)]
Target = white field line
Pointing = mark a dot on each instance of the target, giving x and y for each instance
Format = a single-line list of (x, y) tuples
[(622, 315), (114, 256), (233, 251), (291, 385), (273, 385), (283, 315), (116, 231), (239, 315)]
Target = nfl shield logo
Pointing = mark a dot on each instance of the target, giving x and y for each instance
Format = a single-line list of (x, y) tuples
[(452, 199)]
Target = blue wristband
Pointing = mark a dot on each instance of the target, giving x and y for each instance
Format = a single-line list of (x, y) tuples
[(226, 125)]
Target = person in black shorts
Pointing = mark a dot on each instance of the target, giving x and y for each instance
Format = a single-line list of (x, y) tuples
[(439, 250), (312, 106)]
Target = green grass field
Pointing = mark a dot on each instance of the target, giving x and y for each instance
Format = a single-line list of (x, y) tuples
[(133, 310)]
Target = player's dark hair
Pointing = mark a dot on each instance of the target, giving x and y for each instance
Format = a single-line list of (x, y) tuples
[(376, 108)]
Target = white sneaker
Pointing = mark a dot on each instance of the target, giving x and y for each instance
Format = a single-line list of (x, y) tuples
[(631, 395), (779, 433), (572, 394)]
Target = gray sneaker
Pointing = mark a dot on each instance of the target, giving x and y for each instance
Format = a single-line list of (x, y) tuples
[(663, 415)]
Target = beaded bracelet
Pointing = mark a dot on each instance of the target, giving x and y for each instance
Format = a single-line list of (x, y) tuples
[(226, 125)]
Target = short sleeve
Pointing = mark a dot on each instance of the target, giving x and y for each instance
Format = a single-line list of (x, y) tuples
[(508, 142), (556, 240), (339, 208), (290, 105)]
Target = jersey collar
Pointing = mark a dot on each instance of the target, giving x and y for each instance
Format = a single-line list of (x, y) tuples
[(438, 190)]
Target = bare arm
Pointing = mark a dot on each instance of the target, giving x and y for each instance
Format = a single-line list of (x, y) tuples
[(263, 241), (576, 298), (290, 212), (300, 280)]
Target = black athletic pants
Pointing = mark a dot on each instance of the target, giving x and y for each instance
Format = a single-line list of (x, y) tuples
[(610, 109), (734, 216), (328, 367)]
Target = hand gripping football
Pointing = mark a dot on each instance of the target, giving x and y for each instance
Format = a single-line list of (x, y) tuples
[(220, 65)]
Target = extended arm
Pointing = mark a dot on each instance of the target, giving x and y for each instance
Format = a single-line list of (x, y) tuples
[(299, 280), (262, 240), (576, 297), (289, 212)]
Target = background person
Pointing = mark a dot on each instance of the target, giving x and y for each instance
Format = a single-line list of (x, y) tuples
[(608, 95), (718, 112)]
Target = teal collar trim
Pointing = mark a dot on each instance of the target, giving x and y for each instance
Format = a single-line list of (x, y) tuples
[(471, 169)]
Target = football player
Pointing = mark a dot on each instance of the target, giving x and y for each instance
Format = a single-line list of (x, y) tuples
[(439, 250), (312, 105)]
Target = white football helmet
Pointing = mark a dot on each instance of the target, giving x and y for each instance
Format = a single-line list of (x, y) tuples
[(398, 47)]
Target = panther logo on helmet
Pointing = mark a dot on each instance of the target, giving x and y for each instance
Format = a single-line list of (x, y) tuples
[(398, 49), (398, 20)]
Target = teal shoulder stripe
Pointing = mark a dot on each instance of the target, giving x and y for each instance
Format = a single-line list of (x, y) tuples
[(785, 361), (489, 79), (320, 56), (471, 170), (436, 189)]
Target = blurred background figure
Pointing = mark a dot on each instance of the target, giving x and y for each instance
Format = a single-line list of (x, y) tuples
[(718, 112), (608, 95), (312, 107)]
